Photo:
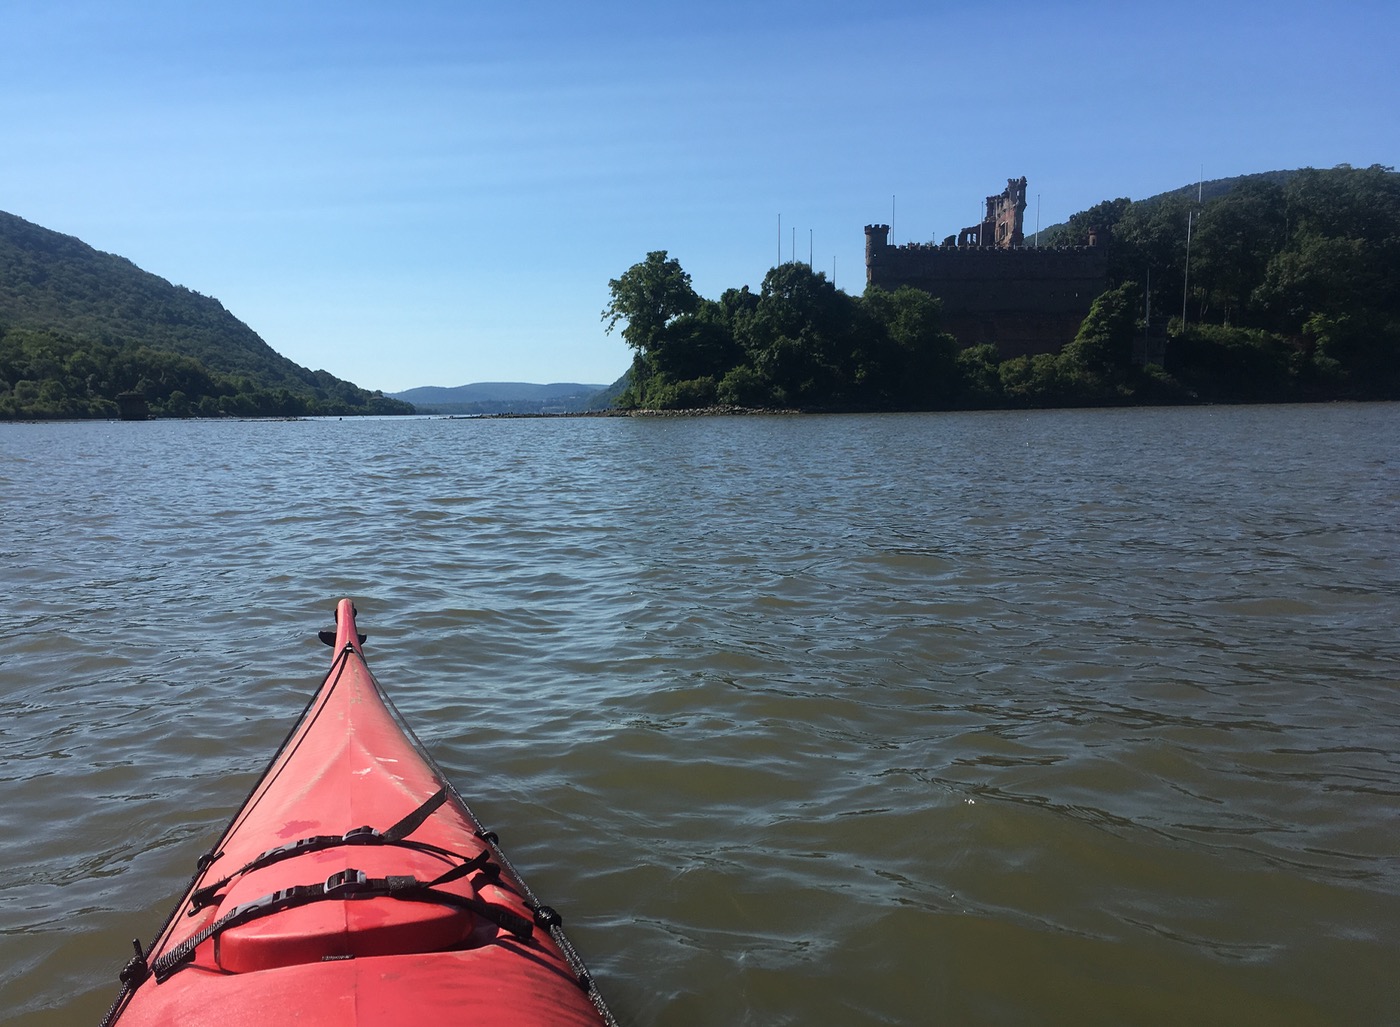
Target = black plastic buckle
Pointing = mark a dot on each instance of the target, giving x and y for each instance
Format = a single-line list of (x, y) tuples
[(346, 882)]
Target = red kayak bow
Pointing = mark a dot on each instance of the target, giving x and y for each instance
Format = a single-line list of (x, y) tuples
[(355, 887)]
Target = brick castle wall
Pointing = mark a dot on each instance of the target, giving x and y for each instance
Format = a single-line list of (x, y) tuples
[(1024, 301)]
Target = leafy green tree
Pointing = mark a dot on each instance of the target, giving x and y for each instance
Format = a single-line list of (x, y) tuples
[(742, 386), (979, 377), (1149, 246), (1359, 351), (691, 394), (1037, 381), (1220, 363), (1345, 202), (1237, 236), (1102, 352), (647, 297), (695, 345), (909, 362), (1315, 274), (1102, 218), (801, 336)]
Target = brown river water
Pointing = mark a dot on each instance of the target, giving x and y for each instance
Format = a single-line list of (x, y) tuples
[(1064, 717)]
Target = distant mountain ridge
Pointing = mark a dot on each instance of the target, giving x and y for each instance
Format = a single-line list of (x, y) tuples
[(502, 398)]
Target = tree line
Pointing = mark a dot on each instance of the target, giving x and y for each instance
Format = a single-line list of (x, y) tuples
[(1290, 290), (47, 375)]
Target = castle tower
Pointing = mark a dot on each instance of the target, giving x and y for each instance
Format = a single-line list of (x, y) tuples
[(1009, 211), (877, 241), (1002, 225)]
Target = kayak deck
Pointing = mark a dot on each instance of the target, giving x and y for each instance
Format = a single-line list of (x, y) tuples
[(355, 887)]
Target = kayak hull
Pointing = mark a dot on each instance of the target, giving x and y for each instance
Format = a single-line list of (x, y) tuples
[(458, 988), (355, 887)]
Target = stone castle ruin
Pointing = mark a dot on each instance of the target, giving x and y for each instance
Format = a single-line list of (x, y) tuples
[(1003, 225), (994, 289)]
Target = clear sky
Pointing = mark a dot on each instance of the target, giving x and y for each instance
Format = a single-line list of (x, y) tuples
[(435, 193)]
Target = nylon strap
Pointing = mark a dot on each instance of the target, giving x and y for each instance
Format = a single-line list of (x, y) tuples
[(414, 820), (395, 835), (348, 884)]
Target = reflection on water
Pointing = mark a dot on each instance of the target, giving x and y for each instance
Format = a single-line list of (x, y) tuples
[(1053, 717)]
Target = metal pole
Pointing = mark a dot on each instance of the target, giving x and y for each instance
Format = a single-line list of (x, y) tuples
[(1186, 275)]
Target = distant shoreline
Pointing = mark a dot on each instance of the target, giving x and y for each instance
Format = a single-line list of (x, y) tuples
[(712, 411)]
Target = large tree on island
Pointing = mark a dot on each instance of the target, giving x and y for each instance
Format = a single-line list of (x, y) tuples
[(648, 297)]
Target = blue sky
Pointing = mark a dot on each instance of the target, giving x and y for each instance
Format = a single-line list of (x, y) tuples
[(429, 193)]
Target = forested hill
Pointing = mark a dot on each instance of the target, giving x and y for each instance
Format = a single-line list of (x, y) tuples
[(1070, 233), (78, 327)]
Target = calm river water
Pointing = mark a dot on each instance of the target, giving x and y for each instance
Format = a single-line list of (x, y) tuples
[(1063, 717)]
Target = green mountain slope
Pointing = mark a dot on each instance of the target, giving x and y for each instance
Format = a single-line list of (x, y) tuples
[(1070, 233), (78, 327)]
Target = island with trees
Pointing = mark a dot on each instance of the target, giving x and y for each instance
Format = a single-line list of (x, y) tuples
[(1289, 291)]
